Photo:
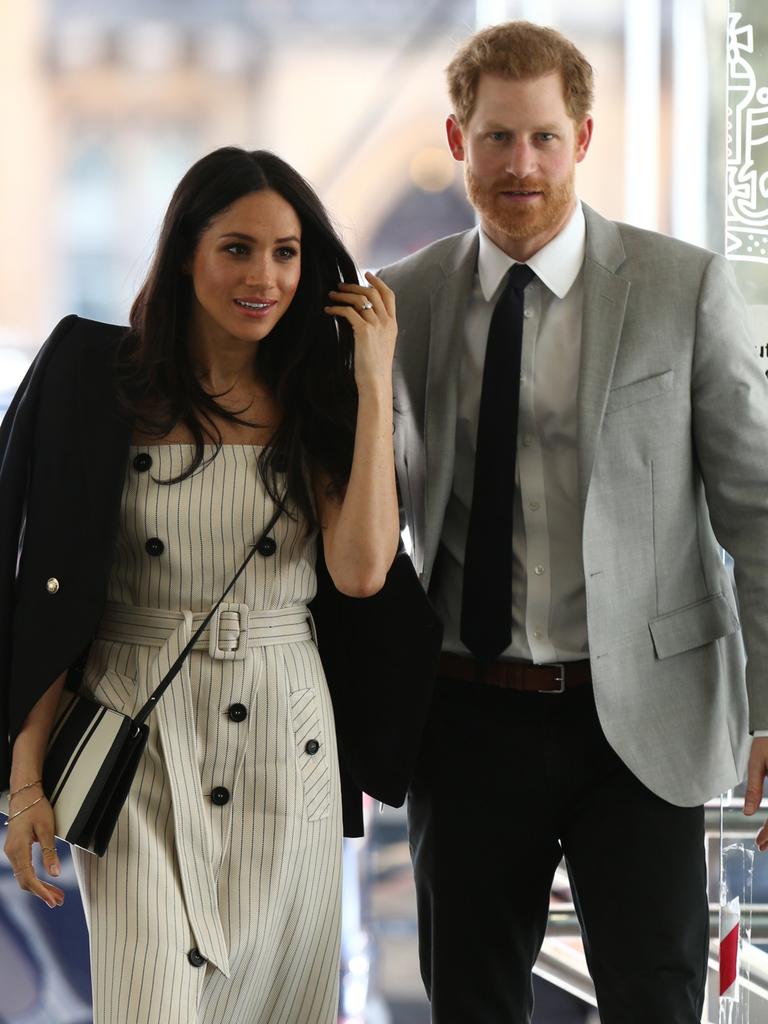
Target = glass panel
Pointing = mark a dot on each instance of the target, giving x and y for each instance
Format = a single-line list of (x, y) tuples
[(747, 158)]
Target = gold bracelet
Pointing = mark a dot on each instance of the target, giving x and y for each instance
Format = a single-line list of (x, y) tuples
[(22, 870), (23, 809), (29, 785)]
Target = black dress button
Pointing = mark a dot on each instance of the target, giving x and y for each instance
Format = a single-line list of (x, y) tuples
[(238, 712), (142, 462), (220, 796), (312, 746), (266, 546), (154, 546), (196, 958)]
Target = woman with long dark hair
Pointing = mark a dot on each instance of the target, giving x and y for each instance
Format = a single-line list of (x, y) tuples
[(253, 387)]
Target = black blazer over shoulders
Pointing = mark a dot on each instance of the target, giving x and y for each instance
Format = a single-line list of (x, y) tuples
[(63, 456)]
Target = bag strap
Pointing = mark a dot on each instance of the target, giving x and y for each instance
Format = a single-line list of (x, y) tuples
[(173, 671)]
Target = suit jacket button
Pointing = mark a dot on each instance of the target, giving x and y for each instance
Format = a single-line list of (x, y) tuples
[(266, 547), (154, 546), (142, 462), (220, 796), (312, 746), (196, 958), (238, 712), (52, 585)]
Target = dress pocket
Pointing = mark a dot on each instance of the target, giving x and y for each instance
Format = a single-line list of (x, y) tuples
[(311, 753), (112, 689)]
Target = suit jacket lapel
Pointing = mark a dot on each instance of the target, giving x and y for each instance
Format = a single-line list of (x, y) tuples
[(605, 300), (448, 304)]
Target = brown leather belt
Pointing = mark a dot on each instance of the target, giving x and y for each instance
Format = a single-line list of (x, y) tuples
[(517, 675)]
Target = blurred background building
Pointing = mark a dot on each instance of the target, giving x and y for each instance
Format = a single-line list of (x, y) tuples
[(104, 105)]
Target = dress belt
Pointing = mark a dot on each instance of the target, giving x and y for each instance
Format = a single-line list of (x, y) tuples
[(232, 630), (517, 675)]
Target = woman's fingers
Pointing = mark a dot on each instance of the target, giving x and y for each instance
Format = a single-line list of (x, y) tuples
[(384, 291), (35, 824), (350, 313), (362, 299), (50, 894), (26, 879), (380, 296), (50, 857)]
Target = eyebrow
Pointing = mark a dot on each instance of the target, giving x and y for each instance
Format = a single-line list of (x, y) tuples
[(250, 238), (497, 126)]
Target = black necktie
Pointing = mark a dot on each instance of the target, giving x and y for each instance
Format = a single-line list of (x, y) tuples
[(486, 600)]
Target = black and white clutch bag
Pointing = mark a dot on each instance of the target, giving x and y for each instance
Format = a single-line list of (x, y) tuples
[(92, 758), (93, 752)]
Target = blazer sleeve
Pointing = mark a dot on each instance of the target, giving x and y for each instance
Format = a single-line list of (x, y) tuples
[(380, 658), (17, 433)]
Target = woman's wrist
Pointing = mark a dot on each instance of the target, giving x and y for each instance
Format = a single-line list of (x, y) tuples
[(376, 387), (20, 790), (25, 770)]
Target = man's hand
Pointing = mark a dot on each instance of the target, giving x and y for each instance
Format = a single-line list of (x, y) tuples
[(756, 772)]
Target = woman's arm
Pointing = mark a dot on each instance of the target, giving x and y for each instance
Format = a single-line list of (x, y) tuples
[(361, 531), (37, 823)]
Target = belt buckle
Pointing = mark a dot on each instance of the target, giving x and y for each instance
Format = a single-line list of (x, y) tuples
[(560, 679), (215, 650)]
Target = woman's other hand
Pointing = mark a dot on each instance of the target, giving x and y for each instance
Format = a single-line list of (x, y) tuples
[(370, 311), (35, 825)]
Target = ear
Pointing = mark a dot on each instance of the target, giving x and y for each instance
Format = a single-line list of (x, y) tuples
[(455, 137), (583, 138)]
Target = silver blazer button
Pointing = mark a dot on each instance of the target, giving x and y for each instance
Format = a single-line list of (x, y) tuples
[(52, 585)]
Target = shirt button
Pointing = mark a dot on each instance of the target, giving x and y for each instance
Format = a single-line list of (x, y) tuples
[(238, 712), (196, 958), (312, 746), (537, 634), (534, 505), (266, 546), (52, 585), (527, 440), (220, 796), (154, 546), (142, 462), (528, 314), (539, 570)]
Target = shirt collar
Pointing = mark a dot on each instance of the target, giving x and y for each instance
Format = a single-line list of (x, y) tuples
[(557, 264)]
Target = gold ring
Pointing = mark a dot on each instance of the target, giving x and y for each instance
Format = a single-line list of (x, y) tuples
[(48, 849)]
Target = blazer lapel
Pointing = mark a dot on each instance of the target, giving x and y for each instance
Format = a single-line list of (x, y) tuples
[(605, 301), (448, 302), (104, 448)]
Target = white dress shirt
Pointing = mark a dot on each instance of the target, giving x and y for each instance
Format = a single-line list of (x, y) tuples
[(549, 620)]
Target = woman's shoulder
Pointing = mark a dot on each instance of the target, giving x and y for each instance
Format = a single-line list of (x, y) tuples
[(74, 330), (76, 341)]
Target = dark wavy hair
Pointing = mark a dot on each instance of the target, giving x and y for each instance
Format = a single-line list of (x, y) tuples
[(306, 360)]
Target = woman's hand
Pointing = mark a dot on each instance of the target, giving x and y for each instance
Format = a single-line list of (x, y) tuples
[(370, 311), (35, 825)]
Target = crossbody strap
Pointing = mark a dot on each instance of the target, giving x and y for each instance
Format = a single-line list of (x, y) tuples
[(173, 671)]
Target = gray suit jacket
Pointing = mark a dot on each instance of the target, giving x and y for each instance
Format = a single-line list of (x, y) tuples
[(673, 462)]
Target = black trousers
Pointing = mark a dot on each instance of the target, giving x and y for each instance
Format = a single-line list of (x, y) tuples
[(507, 784)]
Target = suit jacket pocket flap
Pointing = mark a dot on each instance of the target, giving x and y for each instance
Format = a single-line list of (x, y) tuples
[(693, 626), (640, 390)]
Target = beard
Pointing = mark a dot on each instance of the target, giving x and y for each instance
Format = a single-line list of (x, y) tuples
[(519, 222)]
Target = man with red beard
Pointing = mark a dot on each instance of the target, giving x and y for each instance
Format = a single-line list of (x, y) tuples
[(582, 422)]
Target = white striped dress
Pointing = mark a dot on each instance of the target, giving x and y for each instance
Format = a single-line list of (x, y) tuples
[(219, 896)]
